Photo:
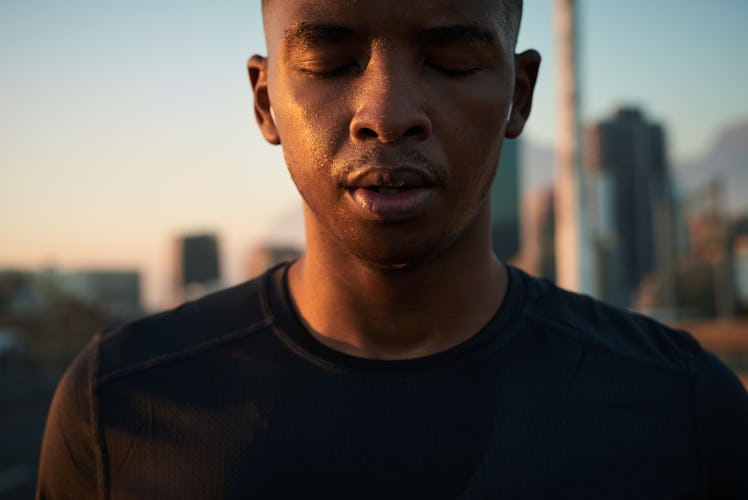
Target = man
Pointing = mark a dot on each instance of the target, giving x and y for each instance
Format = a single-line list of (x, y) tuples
[(398, 358)]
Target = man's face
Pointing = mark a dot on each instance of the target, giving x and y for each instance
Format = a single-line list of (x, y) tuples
[(391, 118)]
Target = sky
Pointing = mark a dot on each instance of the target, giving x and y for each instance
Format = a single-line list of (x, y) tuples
[(124, 124)]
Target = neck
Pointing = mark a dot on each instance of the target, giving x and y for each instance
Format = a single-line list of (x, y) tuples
[(370, 312)]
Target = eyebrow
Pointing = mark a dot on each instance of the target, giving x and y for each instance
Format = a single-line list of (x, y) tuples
[(466, 33), (304, 34)]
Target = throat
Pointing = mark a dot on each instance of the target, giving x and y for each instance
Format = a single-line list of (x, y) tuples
[(394, 315)]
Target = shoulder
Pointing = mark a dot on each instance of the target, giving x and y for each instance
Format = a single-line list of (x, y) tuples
[(187, 330), (721, 413), (622, 345), (69, 459), (601, 327), (73, 457)]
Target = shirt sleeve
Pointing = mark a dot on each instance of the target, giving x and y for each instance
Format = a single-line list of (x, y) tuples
[(67, 464), (722, 426)]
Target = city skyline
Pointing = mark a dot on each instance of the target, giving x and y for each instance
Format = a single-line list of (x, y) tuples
[(125, 125)]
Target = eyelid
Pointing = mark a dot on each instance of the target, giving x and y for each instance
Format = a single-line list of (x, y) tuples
[(323, 72), (459, 70), (457, 59), (324, 61)]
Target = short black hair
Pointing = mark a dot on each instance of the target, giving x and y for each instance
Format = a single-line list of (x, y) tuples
[(513, 6)]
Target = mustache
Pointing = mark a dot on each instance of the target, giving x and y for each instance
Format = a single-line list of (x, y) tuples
[(391, 158)]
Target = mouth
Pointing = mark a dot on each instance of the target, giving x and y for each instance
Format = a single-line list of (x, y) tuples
[(390, 180), (391, 194), (387, 190)]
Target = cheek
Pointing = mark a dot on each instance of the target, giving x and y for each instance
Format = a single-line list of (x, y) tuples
[(475, 113), (473, 134), (305, 148), (313, 122), (309, 151)]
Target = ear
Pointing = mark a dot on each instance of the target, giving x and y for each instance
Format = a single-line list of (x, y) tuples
[(258, 77), (526, 67)]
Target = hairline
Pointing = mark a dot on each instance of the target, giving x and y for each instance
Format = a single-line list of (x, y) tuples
[(514, 7)]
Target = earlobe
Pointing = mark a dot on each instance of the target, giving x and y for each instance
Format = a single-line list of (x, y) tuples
[(257, 68), (526, 67)]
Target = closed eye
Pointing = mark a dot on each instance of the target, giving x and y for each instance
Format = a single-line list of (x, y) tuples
[(327, 71), (455, 70)]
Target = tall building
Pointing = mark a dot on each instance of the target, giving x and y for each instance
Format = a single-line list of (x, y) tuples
[(572, 244), (629, 153), (198, 266), (505, 203)]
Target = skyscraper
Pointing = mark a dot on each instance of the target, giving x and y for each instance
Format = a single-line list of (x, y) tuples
[(629, 152), (572, 245), (198, 265)]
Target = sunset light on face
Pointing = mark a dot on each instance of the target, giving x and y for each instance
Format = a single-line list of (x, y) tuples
[(124, 125), (373, 249)]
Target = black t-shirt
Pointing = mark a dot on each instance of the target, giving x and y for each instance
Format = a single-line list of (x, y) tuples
[(558, 396)]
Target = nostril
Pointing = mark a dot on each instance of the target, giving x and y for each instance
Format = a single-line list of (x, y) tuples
[(415, 131), (372, 122), (367, 133)]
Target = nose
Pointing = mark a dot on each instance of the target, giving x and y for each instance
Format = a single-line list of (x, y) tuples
[(390, 106)]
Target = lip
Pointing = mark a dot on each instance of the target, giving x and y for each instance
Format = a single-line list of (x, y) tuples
[(391, 194), (404, 205), (394, 177)]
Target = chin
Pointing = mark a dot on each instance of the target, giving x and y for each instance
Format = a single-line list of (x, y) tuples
[(399, 255), (401, 267)]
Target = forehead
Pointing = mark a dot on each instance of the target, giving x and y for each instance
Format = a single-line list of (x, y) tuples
[(383, 18)]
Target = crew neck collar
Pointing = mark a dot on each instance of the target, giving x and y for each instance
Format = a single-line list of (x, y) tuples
[(290, 328)]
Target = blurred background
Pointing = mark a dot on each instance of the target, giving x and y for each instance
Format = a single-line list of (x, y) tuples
[(133, 177)]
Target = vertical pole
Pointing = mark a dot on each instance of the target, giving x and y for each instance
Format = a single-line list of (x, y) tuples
[(572, 262)]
